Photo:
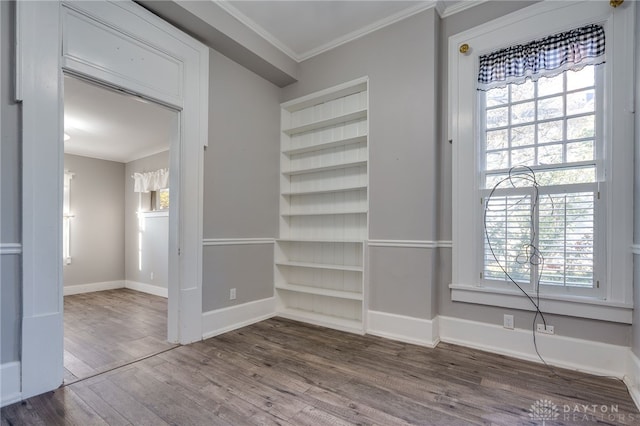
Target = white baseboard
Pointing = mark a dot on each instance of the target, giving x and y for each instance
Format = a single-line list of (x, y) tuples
[(227, 319), (566, 352), (147, 288), (402, 328), (91, 287), (632, 378), (10, 383)]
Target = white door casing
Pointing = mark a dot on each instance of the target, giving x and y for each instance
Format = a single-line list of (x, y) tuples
[(122, 45)]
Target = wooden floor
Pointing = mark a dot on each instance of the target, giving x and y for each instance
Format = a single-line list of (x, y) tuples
[(108, 329), (279, 372)]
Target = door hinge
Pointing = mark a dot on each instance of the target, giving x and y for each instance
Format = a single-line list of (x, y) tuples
[(597, 284), (178, 251), (598, 195), (480, 275)]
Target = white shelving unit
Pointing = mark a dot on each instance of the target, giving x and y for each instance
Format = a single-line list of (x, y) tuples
[(324, 204)]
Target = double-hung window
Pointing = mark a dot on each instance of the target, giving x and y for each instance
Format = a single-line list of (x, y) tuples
[(542, 159)]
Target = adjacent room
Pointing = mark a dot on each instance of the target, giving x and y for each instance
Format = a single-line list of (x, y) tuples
[(116, 228), (320, 212)]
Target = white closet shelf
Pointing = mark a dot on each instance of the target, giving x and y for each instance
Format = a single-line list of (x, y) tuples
[(327, 213), (325, 145), (320, 266), (356, 115), (319, 240), (339, 294), (339, 323), (325, 191), (325, 168)]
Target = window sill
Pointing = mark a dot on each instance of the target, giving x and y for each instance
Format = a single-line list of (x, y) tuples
[(156, 213), (574, 306)]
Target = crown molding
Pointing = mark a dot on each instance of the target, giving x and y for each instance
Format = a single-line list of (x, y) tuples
[(446, 11)]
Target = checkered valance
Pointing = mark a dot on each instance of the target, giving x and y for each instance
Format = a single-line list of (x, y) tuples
[(548, 56)]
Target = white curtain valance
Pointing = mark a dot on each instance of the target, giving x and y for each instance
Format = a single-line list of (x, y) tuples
[(151, 181)]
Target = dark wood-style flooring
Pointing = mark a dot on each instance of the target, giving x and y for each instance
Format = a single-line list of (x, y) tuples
[(280, 372), (108, 329)]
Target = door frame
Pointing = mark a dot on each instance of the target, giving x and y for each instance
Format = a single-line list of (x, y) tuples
[(121, 45)]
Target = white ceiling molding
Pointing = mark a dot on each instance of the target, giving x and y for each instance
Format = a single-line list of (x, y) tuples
[(404, 14), (256, 28), (458, 7)]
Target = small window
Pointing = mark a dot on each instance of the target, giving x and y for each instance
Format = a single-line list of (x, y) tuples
[(159, 199)]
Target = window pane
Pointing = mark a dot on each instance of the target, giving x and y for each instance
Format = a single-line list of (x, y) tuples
[(550, 131), (566, 176), (566, 234), (581, 127), (497, 117), (550, 108), (579, 102), (523, 157), (550, 86), (497, 160), (497, 139), (497, 97), (580, 79), (550, 154), (522, 92), (580, 151), (522, 113), (508, 233), (523, 135)]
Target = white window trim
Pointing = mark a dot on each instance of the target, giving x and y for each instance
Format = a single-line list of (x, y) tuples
[(543, 19)]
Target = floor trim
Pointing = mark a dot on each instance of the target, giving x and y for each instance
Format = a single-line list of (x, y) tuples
[(632, 378), (418, 331), (147, 288), (10, 383), (566, 352), (223, 320), (91, 287)]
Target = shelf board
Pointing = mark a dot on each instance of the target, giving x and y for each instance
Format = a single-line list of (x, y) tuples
[(330, 321), (325, 145), (318, 240), (362, 113), (339, 294), (325, 191), (321, 266), (325, 168), (325, 213)]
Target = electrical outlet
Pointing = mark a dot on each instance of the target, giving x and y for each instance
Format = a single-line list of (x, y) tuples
[(541, 329), (232, 294), (508, 322)]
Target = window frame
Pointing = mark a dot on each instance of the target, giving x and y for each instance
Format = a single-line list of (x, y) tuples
[(616, 187)]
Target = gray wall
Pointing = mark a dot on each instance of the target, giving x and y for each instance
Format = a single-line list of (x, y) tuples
[(10, 199), (155, 238), (240, 183), (97, 230), (401, 62)]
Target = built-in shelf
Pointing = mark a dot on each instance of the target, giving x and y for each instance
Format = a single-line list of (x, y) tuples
[(338, 323), (325, 145), (322, 157), (320, 266), (338, 294), (356, 115), (324, 213), (325, 191), (325, 168)]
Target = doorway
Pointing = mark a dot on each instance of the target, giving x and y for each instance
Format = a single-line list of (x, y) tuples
[(121, 45), (115, 239)]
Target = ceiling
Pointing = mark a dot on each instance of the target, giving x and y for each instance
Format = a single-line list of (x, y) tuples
[(305, 28), (111, 125)]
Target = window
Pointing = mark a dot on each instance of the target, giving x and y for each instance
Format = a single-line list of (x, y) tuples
[(160, 199), (543, 166), (540, 147), (66, 218)]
